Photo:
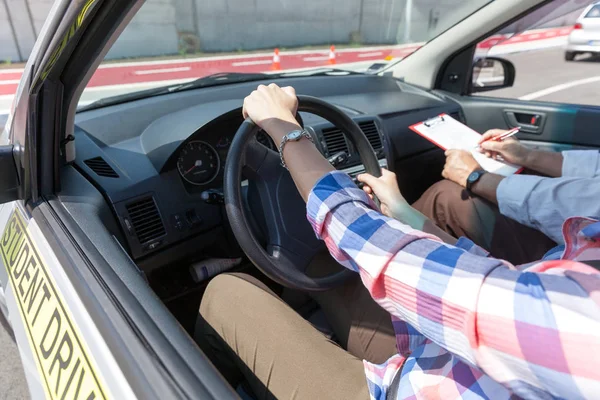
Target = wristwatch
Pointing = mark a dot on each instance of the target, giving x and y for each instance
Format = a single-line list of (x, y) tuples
[(293, 136), (474, 177)]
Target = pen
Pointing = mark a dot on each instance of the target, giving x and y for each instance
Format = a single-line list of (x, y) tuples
[(504, 136)]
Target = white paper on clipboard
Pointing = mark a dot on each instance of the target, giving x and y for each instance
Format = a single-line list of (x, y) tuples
[(448, 133)]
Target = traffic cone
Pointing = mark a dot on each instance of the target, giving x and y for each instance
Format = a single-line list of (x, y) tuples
[(332, 54), (276, 66)]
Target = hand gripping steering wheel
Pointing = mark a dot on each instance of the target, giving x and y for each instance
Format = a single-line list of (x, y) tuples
[(290, 241)]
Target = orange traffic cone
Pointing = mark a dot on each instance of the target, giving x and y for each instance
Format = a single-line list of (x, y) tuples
[(276, 61), (332, 54)]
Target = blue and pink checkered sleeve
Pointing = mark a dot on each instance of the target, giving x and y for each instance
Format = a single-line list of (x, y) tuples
[(492, 317)]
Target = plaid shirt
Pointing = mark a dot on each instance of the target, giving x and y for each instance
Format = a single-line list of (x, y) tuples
[(467, 325)]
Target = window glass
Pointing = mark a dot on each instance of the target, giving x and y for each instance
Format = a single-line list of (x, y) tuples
[(556, 59), (172, 41)]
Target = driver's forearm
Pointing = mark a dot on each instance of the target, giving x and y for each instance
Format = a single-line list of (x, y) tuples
[(306, 164), (487, 186), (545, 162)]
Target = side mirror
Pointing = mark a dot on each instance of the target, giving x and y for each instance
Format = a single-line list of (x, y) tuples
[(9, 178), (492, 73)]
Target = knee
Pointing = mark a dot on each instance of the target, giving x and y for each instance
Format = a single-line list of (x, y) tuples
[(232, 296), (221, 298), (443, 198), (446, 189)]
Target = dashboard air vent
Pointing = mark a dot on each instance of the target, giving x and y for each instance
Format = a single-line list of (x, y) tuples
[(101, 167), (334, 140), (145, 219), (370, 130)]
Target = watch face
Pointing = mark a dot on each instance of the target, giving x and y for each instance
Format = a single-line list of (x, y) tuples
[(473, 177), (294, 135)]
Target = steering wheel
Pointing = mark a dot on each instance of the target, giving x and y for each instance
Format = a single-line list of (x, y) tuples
[(290, 240)]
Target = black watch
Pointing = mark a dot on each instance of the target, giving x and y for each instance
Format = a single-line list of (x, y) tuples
[(474, 177)]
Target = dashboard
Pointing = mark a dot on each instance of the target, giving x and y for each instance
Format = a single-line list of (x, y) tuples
[(159, 162)]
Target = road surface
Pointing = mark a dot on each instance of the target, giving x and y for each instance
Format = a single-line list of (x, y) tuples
[(12, 379)]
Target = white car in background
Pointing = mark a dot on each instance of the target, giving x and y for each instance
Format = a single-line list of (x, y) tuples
[(585, 37)]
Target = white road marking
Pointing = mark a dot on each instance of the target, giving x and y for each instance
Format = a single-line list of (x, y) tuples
[(558, 88), (10, 82), (10, 70), (161, 71), (375, 54), (321, 58), (254, 55), (245, 63), (139, 85)]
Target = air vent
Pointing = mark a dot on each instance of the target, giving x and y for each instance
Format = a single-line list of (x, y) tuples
[(334, 140), (370, 130), (101, 167), (145, 219)]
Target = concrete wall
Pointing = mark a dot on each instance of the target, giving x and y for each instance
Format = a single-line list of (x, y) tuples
[(152, 32), (177, 26)]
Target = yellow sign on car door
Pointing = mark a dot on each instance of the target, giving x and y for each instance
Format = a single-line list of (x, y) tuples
[(65, 365)]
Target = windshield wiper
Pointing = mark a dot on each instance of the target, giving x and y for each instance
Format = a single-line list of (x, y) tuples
[(207, 81)]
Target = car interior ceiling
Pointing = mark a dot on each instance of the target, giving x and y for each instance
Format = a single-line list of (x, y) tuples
[(129, 158)]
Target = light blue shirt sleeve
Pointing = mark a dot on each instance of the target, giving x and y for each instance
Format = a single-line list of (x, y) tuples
[(581, 163), (545, 203)]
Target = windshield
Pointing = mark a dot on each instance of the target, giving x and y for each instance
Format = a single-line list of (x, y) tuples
[(171, 42)]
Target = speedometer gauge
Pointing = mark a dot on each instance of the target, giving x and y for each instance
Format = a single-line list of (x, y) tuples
[(198, 163)]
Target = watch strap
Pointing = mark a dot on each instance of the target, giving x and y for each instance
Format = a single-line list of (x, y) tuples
[(297, 135)]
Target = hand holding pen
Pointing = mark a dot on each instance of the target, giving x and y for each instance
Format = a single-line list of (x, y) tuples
[(497, 143), (497, 135)]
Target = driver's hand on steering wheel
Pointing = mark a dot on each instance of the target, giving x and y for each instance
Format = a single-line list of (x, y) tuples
[(393, 204), (272, 108)]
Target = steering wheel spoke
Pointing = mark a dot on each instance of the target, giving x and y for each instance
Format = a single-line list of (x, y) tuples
[(254, 156), (260, 162)]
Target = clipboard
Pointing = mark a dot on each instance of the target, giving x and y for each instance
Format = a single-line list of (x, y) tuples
[(448, 133)]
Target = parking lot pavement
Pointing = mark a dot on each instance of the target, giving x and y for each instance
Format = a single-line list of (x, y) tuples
[(544, 75), (12, 379)]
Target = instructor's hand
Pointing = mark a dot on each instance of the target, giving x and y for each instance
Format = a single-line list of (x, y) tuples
[(272, 107), (459, 165), (511, 150), (387, 191)]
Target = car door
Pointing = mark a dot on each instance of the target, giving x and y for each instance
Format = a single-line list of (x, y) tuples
[(81, 331), (556, 103), (58, 331)]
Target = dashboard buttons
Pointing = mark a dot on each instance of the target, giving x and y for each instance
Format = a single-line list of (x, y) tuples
[(185, 221), (178, 222), (192, 218)]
